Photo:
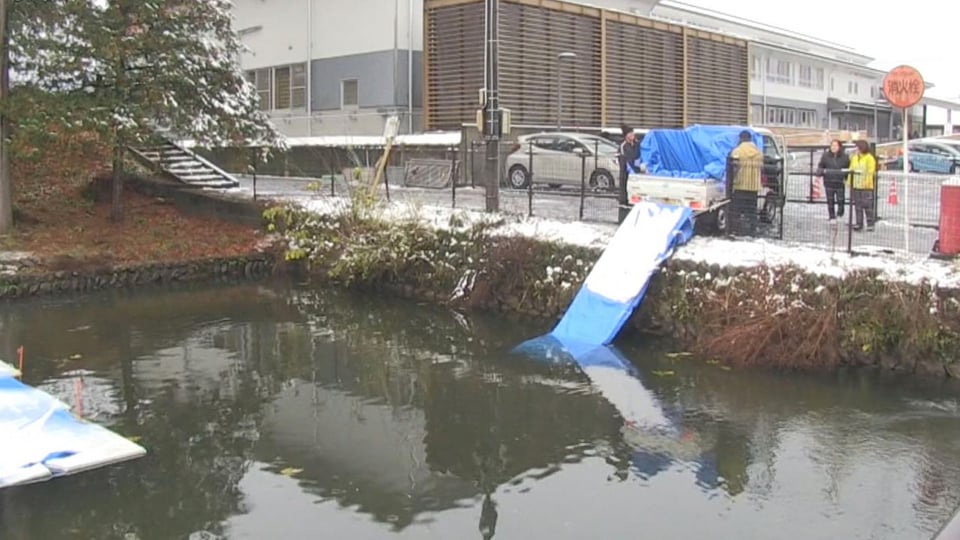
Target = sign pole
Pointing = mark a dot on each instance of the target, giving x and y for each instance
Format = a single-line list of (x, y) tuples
[(906, 181), (903, 87)]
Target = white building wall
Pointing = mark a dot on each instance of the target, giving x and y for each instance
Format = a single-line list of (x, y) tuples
[(365, 40), (722, 22), (277, 31)]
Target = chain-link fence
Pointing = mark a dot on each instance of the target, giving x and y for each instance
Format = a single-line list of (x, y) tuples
[(896, 212)]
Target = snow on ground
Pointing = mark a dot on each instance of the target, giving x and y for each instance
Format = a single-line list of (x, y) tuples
[(708, 250)]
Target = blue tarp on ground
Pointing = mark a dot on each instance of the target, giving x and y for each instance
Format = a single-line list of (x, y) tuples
[(45, 440), (619, 279), (697, 152)]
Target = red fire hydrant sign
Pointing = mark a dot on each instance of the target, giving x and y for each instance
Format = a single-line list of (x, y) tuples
[(903, 87)]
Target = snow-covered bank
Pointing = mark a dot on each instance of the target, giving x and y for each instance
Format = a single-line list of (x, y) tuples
[(742, 303), (706, 250)]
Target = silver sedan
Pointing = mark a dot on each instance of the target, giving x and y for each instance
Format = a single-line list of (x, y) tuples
[(563, 159)]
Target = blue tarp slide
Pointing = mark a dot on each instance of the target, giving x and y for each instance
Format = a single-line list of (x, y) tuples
[(696, 152), (45, 440), (619, 279)]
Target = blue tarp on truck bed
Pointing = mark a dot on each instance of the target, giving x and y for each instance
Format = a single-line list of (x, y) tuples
[(696, 152)]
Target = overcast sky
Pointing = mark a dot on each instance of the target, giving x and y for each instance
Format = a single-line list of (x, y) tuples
[(928, 43)]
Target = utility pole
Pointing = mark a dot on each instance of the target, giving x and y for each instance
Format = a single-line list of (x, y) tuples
[(6, 191), (492, 114)]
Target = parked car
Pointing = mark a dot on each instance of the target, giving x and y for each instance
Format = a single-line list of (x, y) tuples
[(561, 159), (930, 157)]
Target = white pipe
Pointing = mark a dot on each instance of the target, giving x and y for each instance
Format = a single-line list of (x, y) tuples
[(396, 54), (309, 68), (410, 67)]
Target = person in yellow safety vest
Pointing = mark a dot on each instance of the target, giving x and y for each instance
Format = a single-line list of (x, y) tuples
[(862, 181), (746, 165)]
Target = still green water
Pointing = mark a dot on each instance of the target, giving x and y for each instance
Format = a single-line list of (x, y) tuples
[(288, 414)]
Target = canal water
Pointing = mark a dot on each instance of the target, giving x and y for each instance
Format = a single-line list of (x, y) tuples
[(274, 413)]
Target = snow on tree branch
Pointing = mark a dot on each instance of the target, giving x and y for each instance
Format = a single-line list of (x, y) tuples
[(133, 65)]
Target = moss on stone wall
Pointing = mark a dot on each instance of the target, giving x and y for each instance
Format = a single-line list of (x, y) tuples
[(762, 316)]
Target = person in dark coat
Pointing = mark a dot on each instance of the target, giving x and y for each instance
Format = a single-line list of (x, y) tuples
[(834, 165), (629, 154)]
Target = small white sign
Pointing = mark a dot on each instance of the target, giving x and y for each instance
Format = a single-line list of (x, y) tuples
[(391, 128)]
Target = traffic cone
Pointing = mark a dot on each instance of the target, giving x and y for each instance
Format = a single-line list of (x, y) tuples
[(892, 197), (817, 189)]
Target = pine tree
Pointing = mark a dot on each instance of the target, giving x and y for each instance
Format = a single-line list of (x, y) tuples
[(125, 68)]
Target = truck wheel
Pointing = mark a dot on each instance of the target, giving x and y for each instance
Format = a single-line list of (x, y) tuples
[(768, 214), (518, 177), (720, 220)]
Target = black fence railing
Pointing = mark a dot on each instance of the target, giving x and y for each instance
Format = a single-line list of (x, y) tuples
[(563, 179)]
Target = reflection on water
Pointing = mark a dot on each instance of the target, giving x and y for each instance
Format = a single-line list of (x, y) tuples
[(312, 414)]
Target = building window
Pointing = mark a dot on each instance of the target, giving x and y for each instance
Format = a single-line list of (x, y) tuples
[(755, 67), (818, 82), (298, 86), (832, 84), (805, 76), (853, 88), (349, 93), (281, 87), (781, 116), (778, 71), (260, 79), (807, 118)]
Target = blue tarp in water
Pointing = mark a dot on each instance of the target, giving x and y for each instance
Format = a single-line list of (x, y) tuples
[(47, 439), (696, 152)]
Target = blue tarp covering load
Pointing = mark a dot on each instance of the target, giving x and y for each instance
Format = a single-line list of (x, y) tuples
[(44, 440), (618, 281), (697, 152)]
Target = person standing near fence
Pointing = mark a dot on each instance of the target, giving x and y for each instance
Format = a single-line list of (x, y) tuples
[(833, 163), (862, 180), (629, 154), (745, 163)]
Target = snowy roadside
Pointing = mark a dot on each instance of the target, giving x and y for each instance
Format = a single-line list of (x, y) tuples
[(707, 250)]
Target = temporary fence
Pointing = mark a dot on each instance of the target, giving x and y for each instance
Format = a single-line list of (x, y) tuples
[(900, 214), (755, 191)]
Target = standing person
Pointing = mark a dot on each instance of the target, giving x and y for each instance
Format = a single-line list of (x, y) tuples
[(629, 154), (833, 165), (862, 179), (745, 164)]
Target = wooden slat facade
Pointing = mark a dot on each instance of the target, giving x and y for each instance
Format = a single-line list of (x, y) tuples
[(644, 76), (454, 50), (628, 69), (718, 81), (530, 40)]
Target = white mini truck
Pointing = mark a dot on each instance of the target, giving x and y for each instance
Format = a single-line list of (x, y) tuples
[(707, 197)]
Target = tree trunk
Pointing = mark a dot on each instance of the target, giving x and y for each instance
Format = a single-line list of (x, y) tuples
[(6, 191), (116, 209)]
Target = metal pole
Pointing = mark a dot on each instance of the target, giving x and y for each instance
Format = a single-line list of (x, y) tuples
[(906, 183), (255, 158), (309, 68), (559, 97), (492, 105), (396, 51), (560, 58), (410, 16)]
